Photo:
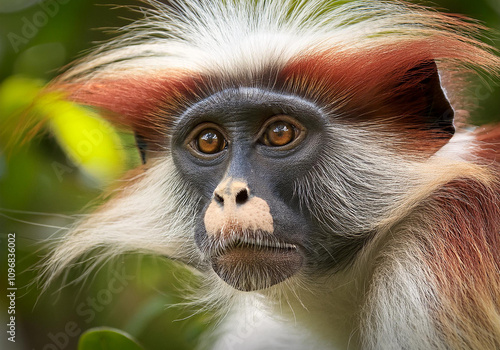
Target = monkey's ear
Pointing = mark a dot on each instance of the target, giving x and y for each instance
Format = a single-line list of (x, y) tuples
[(420, 92)]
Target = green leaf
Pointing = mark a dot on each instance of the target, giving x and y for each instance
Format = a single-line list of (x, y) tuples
[(104, 338), (89, 141)]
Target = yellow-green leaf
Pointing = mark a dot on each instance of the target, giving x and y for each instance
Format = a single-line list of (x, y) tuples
[(88, 140)]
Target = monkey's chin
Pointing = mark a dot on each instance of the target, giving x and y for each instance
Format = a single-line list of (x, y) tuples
[(252, 268)]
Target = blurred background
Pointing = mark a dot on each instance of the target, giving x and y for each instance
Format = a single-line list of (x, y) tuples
[(41, 188)]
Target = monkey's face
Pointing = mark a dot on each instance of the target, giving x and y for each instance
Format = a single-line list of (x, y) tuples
[(242, 151)]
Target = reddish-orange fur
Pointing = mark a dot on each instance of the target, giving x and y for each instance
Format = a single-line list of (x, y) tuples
[(373, 86), (146, 105), (463, 252), (489, 145)]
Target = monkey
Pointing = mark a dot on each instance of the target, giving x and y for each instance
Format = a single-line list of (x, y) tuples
[(312, 162)]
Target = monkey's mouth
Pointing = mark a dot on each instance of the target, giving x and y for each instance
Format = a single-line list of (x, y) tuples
[(253, 263)]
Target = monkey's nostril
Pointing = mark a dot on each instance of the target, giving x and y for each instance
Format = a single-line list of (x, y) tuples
[(242, 196), (218, 198)]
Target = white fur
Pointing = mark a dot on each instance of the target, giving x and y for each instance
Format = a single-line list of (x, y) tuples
[(226, 36), (160, 227)]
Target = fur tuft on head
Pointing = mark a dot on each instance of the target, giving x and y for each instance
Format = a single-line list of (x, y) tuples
[(189, 49)]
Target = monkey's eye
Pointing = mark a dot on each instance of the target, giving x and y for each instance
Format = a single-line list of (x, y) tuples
[(210, 141), (281, 131), (206, 140)]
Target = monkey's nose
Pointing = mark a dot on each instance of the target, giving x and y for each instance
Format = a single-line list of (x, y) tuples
[(232, 193)]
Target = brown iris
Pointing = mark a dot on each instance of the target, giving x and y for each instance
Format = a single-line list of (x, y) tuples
[(280, 133), (210, 141)]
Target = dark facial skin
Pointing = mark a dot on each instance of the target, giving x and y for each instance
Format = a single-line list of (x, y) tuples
[(263, 141)]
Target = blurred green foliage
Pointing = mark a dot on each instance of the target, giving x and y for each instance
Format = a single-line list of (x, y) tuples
[(89, 141), (45, 182)]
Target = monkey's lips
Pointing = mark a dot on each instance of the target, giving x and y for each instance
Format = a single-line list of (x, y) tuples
[(249, 264)]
